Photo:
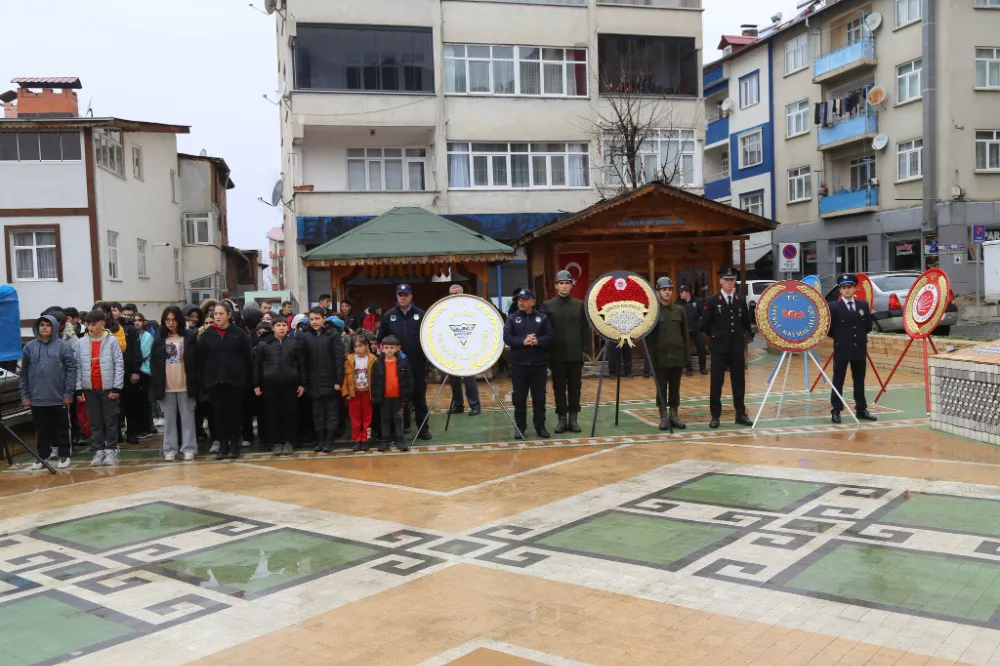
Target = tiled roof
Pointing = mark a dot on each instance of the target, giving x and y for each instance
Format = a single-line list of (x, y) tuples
[(276, 234), (738, 40), (39, 81)]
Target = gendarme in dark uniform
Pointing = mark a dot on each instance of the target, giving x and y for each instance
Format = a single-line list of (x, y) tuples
[(528, 333), (571, 333), (725, 318), (850, 321), (403, 320)]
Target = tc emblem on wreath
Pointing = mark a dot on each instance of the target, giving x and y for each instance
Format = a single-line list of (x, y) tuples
[(622, 307)]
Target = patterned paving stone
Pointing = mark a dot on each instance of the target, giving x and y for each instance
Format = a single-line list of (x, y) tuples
[(745, 492)]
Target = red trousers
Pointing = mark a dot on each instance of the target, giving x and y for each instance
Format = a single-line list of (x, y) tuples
[(361, 415)]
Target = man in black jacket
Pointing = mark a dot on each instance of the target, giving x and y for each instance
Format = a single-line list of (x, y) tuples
[(850, 321), (325, 364), (571, 334), (279, 376), (726, 319), (528, 333), (403, 321), (693, 312)]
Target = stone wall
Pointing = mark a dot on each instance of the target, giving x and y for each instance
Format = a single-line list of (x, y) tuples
[(885, 349)]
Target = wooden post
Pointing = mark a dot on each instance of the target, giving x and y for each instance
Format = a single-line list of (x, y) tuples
[(652, 263), (743, 265), (484, 270)]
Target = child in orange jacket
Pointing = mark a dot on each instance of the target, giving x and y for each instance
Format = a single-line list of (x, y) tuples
[(356, 390)]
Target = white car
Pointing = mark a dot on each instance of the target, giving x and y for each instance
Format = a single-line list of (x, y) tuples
[(754, 290)]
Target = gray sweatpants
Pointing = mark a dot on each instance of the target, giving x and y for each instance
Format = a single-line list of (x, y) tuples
[(172, 404), (103, 414)]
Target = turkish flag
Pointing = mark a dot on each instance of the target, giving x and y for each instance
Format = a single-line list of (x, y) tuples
[(578, 264)]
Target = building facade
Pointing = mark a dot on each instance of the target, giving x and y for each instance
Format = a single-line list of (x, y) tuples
[(276, 254), (488, 113)]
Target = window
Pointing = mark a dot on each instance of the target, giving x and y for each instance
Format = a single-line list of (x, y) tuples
[(988, 150), (907, 11), (198, 229), (140, 253), (862, 170), (908, 80), (796, 53), (173, 186), (728, 50), (987, 3), (514, 70), (854, 31), (108, 151), (664, 155), (518, 165), (797, 117), (749, 90), (988, 68), (365, 59), (751, 150), (40, 146), (35, 254), (112, 255), (753, 203), (648, 65), (377, 169), (177, 265), (799, 184), (137, 162), (909, 159)]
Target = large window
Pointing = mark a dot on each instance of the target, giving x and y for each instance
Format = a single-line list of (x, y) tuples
[(904, 255), (907, 11), (988, 150), (799, 184), (108, 151), (137, 162), (140, 254), (753, 203), (198, 229), (376, 169), (749, 90), (908, 80), (35, 254), (910, 157), (796, 53), (862, 170), (854, 30), (988, 67), (39, 146), (797, 118), (113, 273), (362, 58), (751, 150), (471, 69), (664, 155), (518, 165), (648, 65)]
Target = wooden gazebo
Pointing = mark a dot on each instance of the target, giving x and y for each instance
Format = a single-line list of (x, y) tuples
[(409, 245)]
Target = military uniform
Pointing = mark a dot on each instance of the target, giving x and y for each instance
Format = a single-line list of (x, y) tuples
[(669, 348), (850, 321), (570, 332), (692, 309), (406, 327), (726, 319), (528, 364)]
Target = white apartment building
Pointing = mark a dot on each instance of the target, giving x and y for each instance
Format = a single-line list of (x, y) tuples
[(484, 112), (205, 228)]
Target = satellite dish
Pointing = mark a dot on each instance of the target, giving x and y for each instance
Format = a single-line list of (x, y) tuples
[(270, 6), (876, 96), (202, 153), (281, 89), (726, 105), (777, 17), (277, 192), (880, 142), (873, 21)]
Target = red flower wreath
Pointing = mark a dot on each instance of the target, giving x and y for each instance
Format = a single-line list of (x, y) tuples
[(621, 289)]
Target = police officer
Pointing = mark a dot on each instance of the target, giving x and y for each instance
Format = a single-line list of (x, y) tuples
[(528, 333), (570, 336), (850, 321), (726, 318), (693, 311), (669, 346), (403, 320)]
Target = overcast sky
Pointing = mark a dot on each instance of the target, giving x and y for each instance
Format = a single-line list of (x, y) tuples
[(206, 63)]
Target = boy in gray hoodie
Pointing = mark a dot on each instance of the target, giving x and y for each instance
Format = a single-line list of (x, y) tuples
[(48, 379), (100, 377)]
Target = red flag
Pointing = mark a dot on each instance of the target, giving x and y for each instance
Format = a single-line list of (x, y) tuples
[(578, 264)]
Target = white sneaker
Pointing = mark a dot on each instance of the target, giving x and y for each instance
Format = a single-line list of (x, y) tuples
[(63, 463), (170, 457), (98, 458), (188, 456), (246, 444), (159, 423), (215, 447), (111, 458), (54, 455), (37, 466)]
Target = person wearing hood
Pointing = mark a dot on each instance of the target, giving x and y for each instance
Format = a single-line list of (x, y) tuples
[(325, 365), (48, 380), (224, 364), (174, 370)]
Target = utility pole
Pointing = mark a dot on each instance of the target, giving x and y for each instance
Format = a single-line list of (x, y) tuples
[(929, 92)]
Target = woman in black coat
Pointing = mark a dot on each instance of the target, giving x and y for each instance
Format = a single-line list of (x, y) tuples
[(224, 366), (173, 367)]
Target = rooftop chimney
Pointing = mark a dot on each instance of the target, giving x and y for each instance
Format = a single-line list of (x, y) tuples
[(57, 98), (749, 30)]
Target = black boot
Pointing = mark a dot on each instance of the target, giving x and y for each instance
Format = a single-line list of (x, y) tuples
[(688, 372), (574, 425), (743, 420), (234, 450), (561, 425), (664, 423), (223, 448), (865, 415), (714, 423), (675, 420), (835, 416)]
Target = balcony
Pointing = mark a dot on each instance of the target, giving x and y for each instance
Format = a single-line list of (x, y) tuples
[(359, 203), (663, 4), (845, 60), (849, 203), (718, 188), (717, 131), (849, 131)]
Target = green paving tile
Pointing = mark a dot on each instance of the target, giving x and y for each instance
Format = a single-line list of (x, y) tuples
[(267, 562), (659, 541), (744, 492), (947, 512), (127, 526), (924, 583), (38, 628)]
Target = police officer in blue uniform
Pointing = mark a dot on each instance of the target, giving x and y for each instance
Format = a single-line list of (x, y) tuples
[(850, 321), (403, 320), (528, 333), (725, 318)]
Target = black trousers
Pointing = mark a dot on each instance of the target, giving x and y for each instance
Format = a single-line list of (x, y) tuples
[(376, 422), (250, 409), (52, 426), (281, 414), (734, 363), (698, 340), (669, 381), (528, 378), (620, 359), (326, 415), (138, 411), (858, 369), (392, 420), (419, 400), (227, 413), (567, 380)]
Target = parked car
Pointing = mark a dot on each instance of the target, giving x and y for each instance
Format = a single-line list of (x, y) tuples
[(754, 290), (891, 290)]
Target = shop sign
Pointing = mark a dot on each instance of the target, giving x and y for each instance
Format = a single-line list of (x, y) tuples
[(904, 249)]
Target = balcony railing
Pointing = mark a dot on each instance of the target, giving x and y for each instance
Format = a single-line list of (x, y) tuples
[(843, 202), (842, 57), (716, 131), (845, 130), (718, 187), (665, 4)]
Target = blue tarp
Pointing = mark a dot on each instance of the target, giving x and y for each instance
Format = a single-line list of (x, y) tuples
[(10, 324)]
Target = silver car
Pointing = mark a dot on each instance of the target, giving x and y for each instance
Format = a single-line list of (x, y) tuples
[(887, 315)]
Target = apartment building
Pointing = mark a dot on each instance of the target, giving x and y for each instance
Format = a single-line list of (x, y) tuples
[(276, 254), (485, 112)]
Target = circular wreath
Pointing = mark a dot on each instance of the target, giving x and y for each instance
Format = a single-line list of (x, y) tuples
[(811, 301), (622, 307), (926, 303)]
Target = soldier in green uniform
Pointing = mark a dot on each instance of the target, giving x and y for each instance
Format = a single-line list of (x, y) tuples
[(571, 331), (669, 346)]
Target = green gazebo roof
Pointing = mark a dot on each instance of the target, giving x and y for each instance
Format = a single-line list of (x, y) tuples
[(407, 235)]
